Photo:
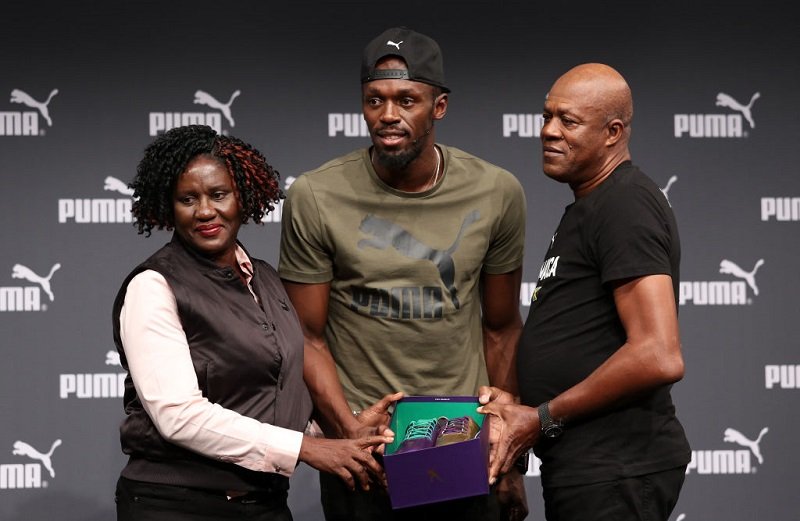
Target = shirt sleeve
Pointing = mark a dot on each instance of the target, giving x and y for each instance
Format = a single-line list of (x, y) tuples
[(304, 244), (163, 374), (507, 246), (632, 235)]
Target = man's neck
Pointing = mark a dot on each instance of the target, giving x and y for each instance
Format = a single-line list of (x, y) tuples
[(421, 174), (586, 187)]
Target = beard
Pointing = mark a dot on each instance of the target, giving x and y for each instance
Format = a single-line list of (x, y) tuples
[(399, 159)]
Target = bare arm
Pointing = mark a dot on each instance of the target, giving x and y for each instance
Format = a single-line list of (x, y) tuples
[(650, 358), (502, 326), (319, 369)]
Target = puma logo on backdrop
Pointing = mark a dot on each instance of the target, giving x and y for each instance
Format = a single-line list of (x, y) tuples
[(665, 190), (204, 98), (23, 272), (115, 185), (721, 124), (730, 268), (725, 100), (18, 96), (112, 358), (24, 449), (734, 436), (384, 234)]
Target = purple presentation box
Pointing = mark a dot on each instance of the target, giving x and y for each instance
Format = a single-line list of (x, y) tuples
[(437, 473)]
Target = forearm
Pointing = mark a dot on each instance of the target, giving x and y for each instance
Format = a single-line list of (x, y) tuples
[(650, 357), (500, 351), (502, 326), (333, 412), (629, 373)]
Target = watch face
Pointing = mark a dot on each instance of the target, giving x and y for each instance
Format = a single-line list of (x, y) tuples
[(553, 431)]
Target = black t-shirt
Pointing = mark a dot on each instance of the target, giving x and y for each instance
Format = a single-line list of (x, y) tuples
[(624, 228)]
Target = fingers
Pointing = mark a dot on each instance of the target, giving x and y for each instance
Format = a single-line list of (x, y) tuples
[(371, 441), (496, 463), (355, 466), (488, 394), (506, 464), (360, 473), (387, 401), (489, 408), (347, 477), (364, 467), (374, 471), (485, 394), (391, 398), (383, 430), (492, 454), (376, 444), (378, 413)]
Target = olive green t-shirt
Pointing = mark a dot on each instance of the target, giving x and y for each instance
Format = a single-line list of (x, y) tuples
[(404, 311)]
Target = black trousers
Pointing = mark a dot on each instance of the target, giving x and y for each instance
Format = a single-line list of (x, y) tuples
[(650, 497), (340, 504), (140, 501)]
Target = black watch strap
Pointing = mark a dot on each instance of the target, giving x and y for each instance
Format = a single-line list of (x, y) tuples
[(550, 427)]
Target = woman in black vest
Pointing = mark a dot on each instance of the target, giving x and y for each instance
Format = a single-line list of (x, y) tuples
[(215, 403)]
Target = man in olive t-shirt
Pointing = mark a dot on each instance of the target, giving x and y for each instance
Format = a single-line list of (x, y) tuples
[(403, 261)]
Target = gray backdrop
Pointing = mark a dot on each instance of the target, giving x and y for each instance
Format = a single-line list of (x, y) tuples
[(84, 86)]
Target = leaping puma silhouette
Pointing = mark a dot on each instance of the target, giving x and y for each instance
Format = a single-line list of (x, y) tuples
[(386, 233), (23, 449), (115, 185), (734, 436), (433, 475), (729, 267), (23, 272), (665, 190), (18, 96), (204, 98), (112, 358), (725, 100), (397, 45)]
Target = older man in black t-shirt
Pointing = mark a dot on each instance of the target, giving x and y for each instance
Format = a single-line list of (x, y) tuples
[(600, 348)]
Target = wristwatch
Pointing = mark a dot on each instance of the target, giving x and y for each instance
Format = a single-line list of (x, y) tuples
[(550, 427)]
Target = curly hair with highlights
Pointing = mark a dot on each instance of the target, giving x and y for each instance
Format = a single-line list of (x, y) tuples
[(256, 183)]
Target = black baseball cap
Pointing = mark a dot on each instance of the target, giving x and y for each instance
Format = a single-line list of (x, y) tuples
[(421, 53)]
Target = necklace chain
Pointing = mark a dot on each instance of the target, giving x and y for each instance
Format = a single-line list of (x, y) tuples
[(435, 176), (433, 179)]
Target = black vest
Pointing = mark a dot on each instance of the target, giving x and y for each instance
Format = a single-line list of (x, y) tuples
[(247, 359)]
